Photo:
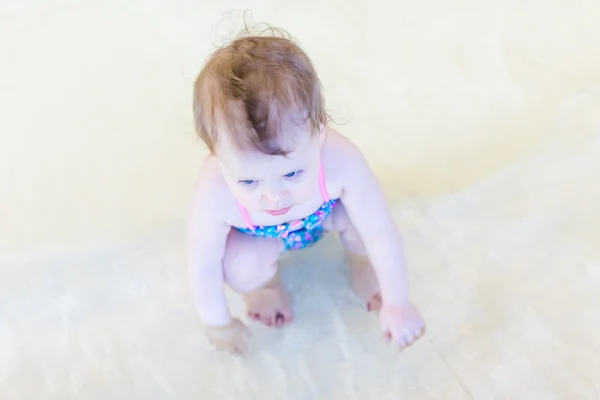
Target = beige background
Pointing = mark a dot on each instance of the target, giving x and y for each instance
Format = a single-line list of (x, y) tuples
[(482, 119)]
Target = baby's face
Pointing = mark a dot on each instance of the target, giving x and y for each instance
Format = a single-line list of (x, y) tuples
[(273, 184)]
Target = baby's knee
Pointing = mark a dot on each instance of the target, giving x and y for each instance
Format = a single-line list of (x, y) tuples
[(349, 235), (352, 241), (247, 277), (351, 238)]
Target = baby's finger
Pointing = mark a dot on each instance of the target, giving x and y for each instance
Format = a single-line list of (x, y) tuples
[(236, 350), (247, 332), (402, 339), (407, 336), (401, 345), (418, 331)]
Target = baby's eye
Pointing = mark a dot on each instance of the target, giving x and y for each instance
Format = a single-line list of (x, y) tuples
[(294, 174), (247, 181)]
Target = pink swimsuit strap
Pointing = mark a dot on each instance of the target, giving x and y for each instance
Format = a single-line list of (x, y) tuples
[(322, 187), (246, 217), (323, 184)]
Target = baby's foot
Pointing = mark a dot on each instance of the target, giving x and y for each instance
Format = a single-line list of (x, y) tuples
[(364, 280), (270, 305)]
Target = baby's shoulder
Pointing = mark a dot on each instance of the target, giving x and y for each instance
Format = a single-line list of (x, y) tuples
[(210, 192), (340, 147), (341, 156), (210, 174)]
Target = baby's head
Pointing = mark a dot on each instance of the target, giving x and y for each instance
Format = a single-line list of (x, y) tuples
[(258, 108)]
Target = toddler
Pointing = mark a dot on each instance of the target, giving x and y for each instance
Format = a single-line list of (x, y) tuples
[(276, 178)]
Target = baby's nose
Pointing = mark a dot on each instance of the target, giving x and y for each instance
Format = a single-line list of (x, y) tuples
[(274, 198)]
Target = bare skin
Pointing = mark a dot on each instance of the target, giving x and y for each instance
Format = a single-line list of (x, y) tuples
[(249, 262), (219, 255), (250, 266)]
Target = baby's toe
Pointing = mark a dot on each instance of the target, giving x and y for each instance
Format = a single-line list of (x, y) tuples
[(254, 316), (374, 304), (279, 319)]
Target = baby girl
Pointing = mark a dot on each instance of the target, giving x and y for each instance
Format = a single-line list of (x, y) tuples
[(277, 177)]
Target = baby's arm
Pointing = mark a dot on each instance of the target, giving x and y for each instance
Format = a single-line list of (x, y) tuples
[(206, 242), (368, 209), (206, 239)]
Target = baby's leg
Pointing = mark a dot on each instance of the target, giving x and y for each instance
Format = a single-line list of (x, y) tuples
[(363, 277), (250, 267)]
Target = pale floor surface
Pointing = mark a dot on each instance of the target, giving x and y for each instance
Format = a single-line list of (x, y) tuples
[(506, 271)]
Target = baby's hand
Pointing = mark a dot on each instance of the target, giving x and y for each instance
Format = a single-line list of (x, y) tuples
[(232, 337), (402, 325)]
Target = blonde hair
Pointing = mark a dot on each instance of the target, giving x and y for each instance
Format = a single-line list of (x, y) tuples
[(254, 90)]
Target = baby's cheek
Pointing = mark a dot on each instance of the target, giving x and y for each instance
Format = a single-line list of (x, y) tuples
[(304, 192), (252, 202), (245, 198)]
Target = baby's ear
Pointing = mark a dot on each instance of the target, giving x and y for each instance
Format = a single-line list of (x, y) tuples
[(322, 136)]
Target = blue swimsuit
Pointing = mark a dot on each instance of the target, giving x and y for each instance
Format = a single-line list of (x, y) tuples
[(298, 234)]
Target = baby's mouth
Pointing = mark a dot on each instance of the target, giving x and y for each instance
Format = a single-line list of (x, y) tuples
[(279, 212)]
